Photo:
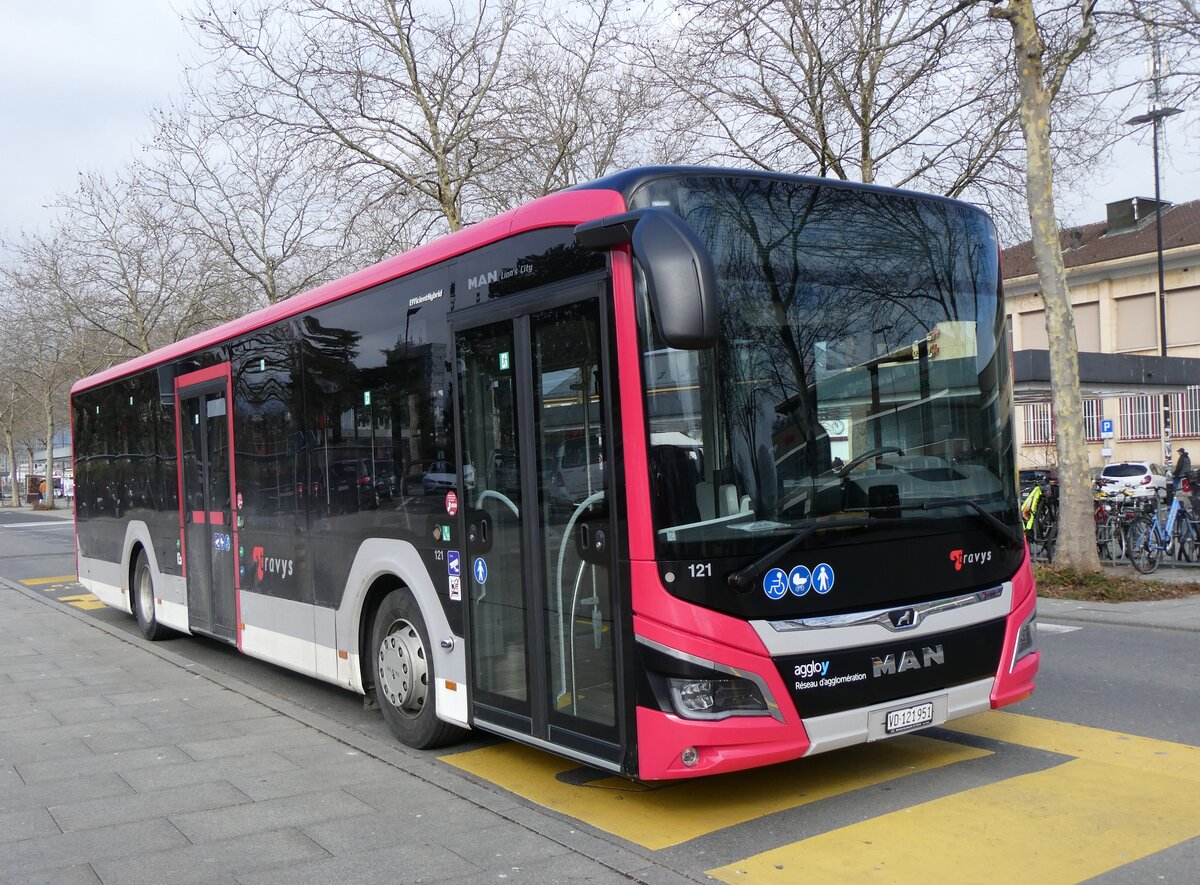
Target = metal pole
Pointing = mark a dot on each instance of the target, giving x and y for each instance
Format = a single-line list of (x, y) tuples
[(1162, 300)]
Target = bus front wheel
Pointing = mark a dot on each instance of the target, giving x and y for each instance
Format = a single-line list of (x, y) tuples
[(404, 674)]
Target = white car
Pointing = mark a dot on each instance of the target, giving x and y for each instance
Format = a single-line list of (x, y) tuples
[(1143, 478)]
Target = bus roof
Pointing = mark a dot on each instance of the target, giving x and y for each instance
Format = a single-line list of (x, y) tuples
[(564, 208)]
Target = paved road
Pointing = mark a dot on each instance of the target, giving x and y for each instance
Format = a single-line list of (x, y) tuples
[(128, 761)]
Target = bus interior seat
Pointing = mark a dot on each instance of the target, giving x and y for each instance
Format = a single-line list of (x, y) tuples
[(719, 500), (674, 481)]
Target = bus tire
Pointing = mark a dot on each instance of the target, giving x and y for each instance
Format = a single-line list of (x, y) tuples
[(403, 673), (143, 600)]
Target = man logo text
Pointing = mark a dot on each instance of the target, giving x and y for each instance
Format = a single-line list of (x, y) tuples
[(886, 666)]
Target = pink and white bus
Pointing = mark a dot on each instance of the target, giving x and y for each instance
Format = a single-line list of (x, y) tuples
[(679, 472)]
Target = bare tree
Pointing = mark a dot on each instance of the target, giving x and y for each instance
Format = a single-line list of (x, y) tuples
[(44, 363), (899, 93), (270, 212), (578, 105), (120, 261), (13, 411), (1040, 78), (405, 91)]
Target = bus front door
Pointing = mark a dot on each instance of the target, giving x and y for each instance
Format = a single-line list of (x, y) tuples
[(208, 533), (537, 578)]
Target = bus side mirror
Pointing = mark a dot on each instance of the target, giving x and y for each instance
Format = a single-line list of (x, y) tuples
[(681, 280)]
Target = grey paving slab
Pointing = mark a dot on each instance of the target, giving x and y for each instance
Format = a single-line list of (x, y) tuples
[(143, 806), (504, 844), (271, 814), (221, 768), (31, 746), (11, 694), (252, 743), (409, 796), (80, 874), (348, 835), (88, 846), (131, 760), (40, 795), (16, 720), (202, 863), (406, 861), (293, 782), (28, 824), (563, 868), (110, 742)]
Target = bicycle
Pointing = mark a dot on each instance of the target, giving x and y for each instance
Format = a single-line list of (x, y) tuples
[(1039, 513), (1115, 510), (1150, 540)]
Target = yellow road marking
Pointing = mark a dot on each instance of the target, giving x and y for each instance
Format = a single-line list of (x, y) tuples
[(658, 816), (1122, 798), (1066, 824), (85, 601), (61, 579), (1084, 742)]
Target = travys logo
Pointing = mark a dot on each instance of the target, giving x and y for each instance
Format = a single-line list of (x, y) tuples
[(271, 565), (960, 558)]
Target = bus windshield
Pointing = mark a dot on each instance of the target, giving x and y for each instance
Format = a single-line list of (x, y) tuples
[(861, 367)]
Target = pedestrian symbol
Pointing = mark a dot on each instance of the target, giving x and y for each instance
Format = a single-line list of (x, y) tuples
[(480, 570), (775, 583), (800, 579), (823, 578), (453, 563)]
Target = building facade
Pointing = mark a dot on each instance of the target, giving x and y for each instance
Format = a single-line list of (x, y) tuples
[(1112, 271)]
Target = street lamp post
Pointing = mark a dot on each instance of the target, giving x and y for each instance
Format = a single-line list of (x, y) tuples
[(1155, 116)]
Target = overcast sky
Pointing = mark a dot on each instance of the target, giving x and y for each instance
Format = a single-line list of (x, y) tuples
[(79, 77)]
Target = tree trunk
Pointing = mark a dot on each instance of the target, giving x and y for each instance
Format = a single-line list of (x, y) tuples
[(11, 450), (1076, 546), (49, 502)]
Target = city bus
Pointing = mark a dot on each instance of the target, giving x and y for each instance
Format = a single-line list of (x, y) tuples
[(678, 472)]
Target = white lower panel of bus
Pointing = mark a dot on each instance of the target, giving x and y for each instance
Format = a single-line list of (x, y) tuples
[(113, 597), (870, 723)]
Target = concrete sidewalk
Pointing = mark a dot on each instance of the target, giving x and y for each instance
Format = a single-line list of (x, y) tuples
[(122, 762)]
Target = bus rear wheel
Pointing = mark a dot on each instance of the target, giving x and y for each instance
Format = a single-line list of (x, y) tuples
[(143, 601), (403, 671)]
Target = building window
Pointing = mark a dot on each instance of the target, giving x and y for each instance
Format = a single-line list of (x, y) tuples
[(1140, 417), (1091, 419), (1039, 424), (1185, 413)]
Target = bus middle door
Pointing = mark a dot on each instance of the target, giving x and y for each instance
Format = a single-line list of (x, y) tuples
[(209, 535)]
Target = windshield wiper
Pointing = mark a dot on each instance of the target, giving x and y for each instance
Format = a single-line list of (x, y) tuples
[(1004, 532), (744, 577)]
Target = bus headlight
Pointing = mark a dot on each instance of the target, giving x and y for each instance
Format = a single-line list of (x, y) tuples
[(715, 698), (1026, 638)]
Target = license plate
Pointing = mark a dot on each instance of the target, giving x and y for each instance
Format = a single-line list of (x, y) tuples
[(908, 718)]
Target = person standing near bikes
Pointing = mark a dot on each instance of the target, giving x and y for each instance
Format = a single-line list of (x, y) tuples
[(1183, 466)]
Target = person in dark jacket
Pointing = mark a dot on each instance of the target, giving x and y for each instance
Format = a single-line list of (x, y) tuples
[(1183, 466)]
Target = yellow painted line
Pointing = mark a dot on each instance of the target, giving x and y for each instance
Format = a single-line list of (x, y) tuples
[(1065, 824), (660, 815), (85, 601), (1084, 742), (61, 579)]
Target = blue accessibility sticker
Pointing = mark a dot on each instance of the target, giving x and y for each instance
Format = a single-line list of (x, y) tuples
[(479, 569), (823, 578), (800, 579), (453, 563), (775, 583)]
